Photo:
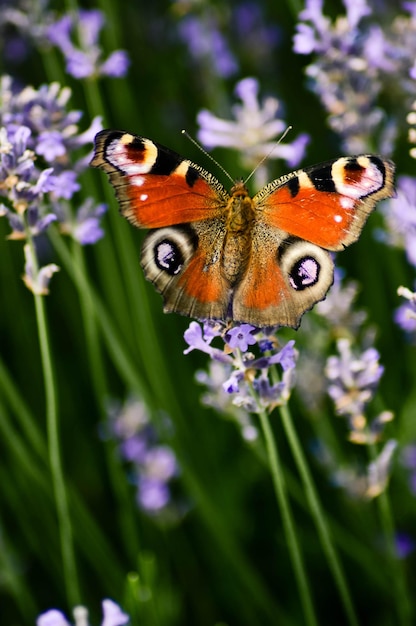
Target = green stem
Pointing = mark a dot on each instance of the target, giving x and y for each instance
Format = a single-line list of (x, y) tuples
[(58, 482), (398, 580), (318, 516), (288, 524)]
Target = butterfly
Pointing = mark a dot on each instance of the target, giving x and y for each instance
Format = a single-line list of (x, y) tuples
[(227, 256)]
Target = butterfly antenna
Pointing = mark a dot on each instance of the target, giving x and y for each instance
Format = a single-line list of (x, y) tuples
[(207, 154), (268, 154)]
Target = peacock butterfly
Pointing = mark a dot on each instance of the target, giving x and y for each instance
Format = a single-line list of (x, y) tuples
[(217, 255)]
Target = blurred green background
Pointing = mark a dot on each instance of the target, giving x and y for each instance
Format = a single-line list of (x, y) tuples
[(222, 558)]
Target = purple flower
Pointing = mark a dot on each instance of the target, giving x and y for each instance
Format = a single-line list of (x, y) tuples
[(405, 315), (241, 337), (408, 457), (354, 62), (116, 64), (197, 341), (353, 379), (87, 228), (112, 616), (154, 465), (152, 495), (36, 128), (338, 307), (84, 59), (50, 145), (36, 278), (353, 374), (23, 184), (207, 45), (405, 545), (253, 131), (400, 217), (241, 372), (65, 184)]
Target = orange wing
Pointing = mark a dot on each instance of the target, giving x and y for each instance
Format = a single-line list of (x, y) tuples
[(155, 186), (327, 204)]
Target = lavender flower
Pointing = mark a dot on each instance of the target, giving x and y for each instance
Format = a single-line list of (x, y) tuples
[(254, 130), (405, 545), (400, 217), (363, 483), (84, 60), (213, 379), (249, 380), (411, 120), (207, 45), (37, 129), (22, 184), (352, 381), (23, 25), (405, 315), (85, 227), (112, 616), (154, 465), (37, 278), (408, 461), (338, 307), (379, 470), (240, 337), (355, 61)]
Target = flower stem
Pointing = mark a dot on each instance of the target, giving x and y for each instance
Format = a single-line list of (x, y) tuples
[(398, 579), (287, 519), (318, 516), (58, 482)]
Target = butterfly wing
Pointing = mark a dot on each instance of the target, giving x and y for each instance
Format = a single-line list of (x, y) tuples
[(299, 218), (327, 204), (184, 205)]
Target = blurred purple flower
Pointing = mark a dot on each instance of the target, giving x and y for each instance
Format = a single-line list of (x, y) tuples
[(36, 128), (152, 495), (154, 465), (405, 545), (65, 184), (405, 315), (23, 184), (353, 379), (408, 461), (112, 616), (400, 217), (87, 228), (84, 59), (253, 131), (338, 307), (355, 60), (207, 45), (50, 145), (36, 278)]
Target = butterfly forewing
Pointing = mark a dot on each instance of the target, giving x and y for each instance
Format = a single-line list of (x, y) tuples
[(328, 204), (155, 186)]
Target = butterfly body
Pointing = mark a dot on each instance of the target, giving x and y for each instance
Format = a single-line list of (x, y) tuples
[(217, 255)]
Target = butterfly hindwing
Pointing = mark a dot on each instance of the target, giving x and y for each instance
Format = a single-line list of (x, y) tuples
[(184, 265)]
